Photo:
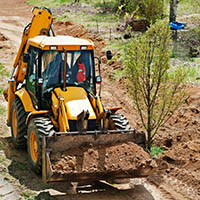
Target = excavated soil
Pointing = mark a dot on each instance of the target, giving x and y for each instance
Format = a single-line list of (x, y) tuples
[(120, 157), (181, 139), (71, 29)]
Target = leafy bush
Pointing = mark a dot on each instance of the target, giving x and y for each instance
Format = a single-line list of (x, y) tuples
[(3, 70), (151, 10), (156, 151)]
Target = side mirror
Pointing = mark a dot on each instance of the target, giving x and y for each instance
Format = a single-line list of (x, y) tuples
[(98, 79), (26, 57), (109, 55)]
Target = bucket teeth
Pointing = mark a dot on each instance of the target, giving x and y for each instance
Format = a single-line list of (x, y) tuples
[(82, 121), (105, 116)]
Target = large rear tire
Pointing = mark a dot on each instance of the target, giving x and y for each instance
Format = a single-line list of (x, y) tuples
[(18, 123), (37, 128)]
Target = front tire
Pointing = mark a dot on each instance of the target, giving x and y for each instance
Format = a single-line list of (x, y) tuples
[(18, 123), (37, 128), (119, 122)]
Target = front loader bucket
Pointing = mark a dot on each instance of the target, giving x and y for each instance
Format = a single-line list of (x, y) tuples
[(89, 157)]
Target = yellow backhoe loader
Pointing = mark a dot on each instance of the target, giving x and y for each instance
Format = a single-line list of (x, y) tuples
[(54, 108)]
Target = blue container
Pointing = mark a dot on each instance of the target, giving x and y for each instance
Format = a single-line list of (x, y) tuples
[(177, 25)]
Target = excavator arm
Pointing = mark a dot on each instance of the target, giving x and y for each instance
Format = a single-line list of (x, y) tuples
[(41, 24)]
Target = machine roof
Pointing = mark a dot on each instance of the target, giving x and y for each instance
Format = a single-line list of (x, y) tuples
[(44, 42)]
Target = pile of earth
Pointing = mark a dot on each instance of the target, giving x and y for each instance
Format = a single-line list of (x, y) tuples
[(180, 137), (184, 125), (104, 158)]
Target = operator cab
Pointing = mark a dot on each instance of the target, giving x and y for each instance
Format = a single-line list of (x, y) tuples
[(79, 69), (53, 58)]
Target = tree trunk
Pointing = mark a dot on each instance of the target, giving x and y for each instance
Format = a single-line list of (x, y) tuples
[(173, 9), (149, 116), (149, 141)]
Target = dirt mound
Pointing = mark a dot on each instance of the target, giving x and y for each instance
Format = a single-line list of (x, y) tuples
[(181, 138), (71, 29), (184, 126), (185, 151), (121, 157), (2, 37), (186, 156)]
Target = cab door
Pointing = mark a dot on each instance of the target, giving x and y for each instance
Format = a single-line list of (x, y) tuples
[(32, 75)]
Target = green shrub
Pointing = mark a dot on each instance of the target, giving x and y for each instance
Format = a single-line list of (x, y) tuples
[(3, 70), (156, 151), (151, 10)]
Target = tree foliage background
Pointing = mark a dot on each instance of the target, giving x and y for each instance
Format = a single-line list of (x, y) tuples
[(151, 10)]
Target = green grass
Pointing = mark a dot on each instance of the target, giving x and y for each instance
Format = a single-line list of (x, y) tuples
[(156, 151), (118, 74), (110, 5), (1, 91), (102, 17), (82, 16), (3, 70), (48, 3), (64, 17), (185, 7), (188, 7), (2, 110), (2, 158), (53, 3), (28, 195), (193, 74)]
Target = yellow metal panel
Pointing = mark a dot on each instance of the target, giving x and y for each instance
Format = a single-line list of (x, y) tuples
[(63, 119), (99, 104), (42, 19), (68, 48), (23, 42), (60, 113), (36, 113), (55, 106), (76, 100), (42, 41), (114, 109), (26, 99), (67, 42)]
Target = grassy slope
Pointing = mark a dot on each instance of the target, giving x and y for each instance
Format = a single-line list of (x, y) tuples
[(83, 13)]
